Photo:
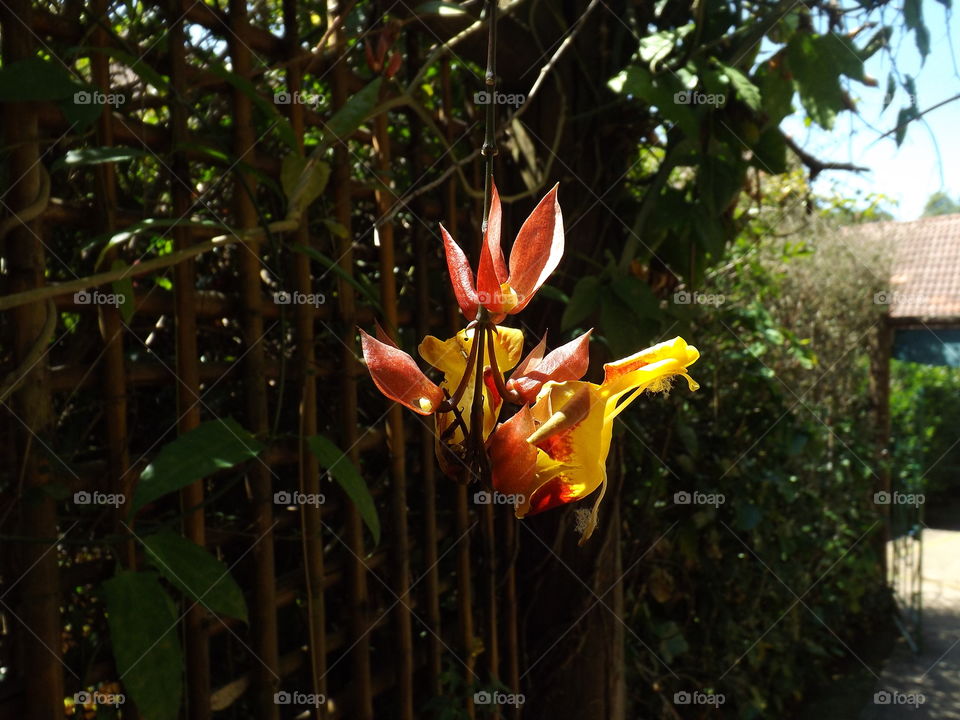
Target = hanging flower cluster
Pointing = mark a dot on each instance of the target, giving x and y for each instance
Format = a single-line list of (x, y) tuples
[(553, 449)]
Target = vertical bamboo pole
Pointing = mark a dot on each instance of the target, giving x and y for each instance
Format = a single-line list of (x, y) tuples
[(359, 602), (264, 625), (424, 251), (38, 613), (395, 432), (510, 540), (464, 600), (196, 642), (114, 378), (306, 365)]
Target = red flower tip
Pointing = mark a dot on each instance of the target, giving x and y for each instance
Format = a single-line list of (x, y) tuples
[(397, 376), (536, 252), (567, 362)]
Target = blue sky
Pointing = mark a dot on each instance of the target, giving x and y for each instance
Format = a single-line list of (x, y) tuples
[(929, 159)]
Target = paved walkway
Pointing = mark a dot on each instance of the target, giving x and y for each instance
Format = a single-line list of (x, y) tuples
[(927, 686)]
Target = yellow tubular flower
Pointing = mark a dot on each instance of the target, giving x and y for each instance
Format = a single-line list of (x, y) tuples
[(450, 358), (556, 451)]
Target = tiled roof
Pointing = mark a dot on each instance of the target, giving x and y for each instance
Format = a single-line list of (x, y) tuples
[(925, 278)]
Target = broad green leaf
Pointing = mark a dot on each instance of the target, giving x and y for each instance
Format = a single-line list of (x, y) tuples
[(359, 284), (144, 227), (624, 330), (817, 79), (141, 68), (354, 112), (891, 91), (265, 106), (553, 293), (636, 294), (80, 115), (336, 229), (746, 90), (656, 47), (913, 19), (904, 118), (143, 632), (124, 288), (346, 474), (770, 152), (776, 89), (298, 172), (584, 301), (196, 573), (212, 446), (37, 79), (97, 156)]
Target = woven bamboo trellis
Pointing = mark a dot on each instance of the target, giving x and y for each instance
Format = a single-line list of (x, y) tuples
[(373, 629)]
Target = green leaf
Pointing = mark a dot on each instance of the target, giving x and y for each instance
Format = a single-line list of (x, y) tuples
[(904, 118), (776, 90), (656, 47), (209, 447), (817, 79), (143, 632), (361, 285), (584, 301), (97, 156), (80, 115), (913, 19), (36, 79), (636, 294), (346, 474), (141, 68), (265, 106), (196, 573), (354, 112), (891, 91), (124, 288), (746, 90), (335, 228), (303, 179), (144, 227), (624, 331), (770, 152)]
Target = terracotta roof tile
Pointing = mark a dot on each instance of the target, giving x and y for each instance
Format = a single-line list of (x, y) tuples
[(925, 279)]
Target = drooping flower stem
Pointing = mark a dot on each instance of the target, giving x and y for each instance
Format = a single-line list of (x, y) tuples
[(506, 394), (452, 402), (489, 149), (477, 459)]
